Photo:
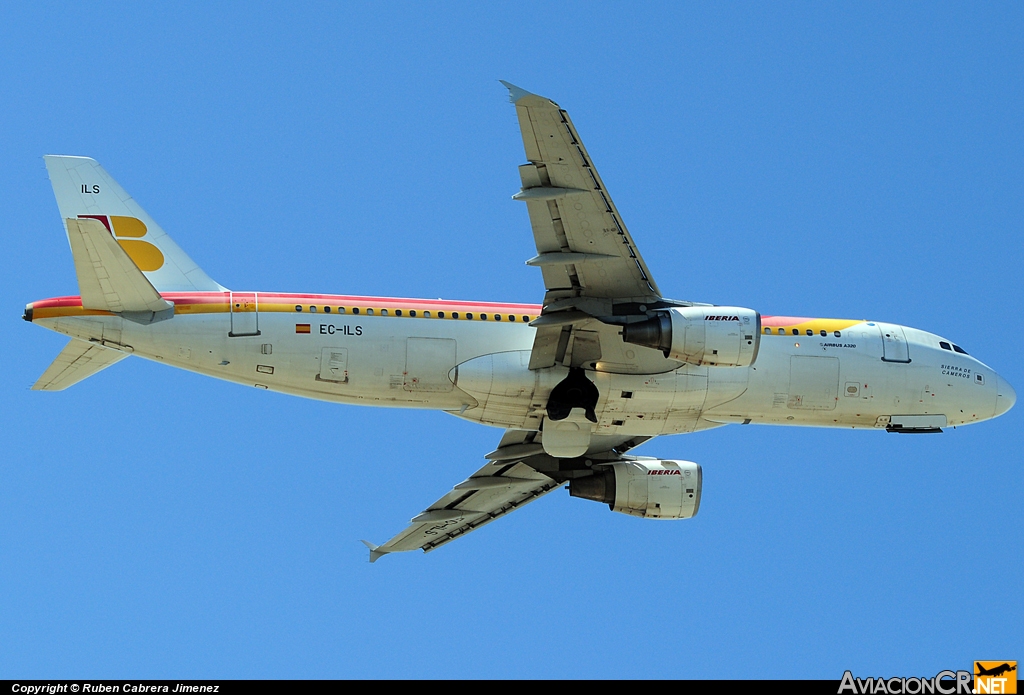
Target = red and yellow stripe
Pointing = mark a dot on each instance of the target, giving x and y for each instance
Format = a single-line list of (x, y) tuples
[(219, 303), (330, 304), (786, 325)]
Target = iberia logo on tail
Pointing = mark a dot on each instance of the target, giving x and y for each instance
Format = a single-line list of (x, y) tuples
[(127, 231)]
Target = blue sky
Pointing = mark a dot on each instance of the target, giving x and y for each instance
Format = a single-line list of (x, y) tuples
[(838, 160)]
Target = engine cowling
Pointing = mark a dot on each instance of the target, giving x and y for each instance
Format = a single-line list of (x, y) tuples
[(719, 336), (650, 488)]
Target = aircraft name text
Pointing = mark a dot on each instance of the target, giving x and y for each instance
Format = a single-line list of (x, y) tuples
[(953, 370)]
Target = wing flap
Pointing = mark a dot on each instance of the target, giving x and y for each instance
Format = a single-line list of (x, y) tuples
[(78, 360), (108, 279)]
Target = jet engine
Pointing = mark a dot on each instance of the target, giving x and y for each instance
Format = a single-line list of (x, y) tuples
[(719, 336), (645, 487)]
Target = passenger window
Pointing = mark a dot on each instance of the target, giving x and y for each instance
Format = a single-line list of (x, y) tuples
[(767, 331), (327, 309), (837, 334), (455, 314), (957, 348), (412, 313), (526, 319), (355, 310), (824, 333), (483, 317), (398, 312), (810, 332), (369, 312), (497, 317), (426, 314), (312, 309), (469, 316), (782, 331), (440, 314), (511, 317), (944, 345), (796, 332), (298, 307), (341, 310)]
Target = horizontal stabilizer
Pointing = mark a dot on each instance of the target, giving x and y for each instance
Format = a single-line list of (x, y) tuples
[(79, 359), (108, 279)]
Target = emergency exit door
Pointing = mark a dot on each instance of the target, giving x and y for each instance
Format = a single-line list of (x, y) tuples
[(244, 314)]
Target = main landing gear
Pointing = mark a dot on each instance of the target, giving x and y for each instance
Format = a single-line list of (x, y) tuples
[(574, 391)]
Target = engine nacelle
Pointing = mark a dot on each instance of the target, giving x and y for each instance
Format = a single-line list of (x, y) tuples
[(644, 487), (718, 336)]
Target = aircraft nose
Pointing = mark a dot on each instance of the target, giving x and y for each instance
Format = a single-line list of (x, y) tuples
[(1005, 396)]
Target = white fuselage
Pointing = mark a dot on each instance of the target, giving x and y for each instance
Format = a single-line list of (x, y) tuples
[(479, 370)]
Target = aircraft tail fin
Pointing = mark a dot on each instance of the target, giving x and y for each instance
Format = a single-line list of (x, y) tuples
[(84, 190), (78, 360)]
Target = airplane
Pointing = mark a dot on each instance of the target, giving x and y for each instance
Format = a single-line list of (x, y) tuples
[(603, 364), (995, 670)]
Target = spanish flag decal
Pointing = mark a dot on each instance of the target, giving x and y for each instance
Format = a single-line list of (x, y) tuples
[(302, 328)]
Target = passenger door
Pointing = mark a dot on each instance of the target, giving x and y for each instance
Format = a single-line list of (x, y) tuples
[(894, 343), (244, 314)]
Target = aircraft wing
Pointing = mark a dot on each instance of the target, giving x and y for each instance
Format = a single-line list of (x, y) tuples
[(590, 263), (593, 275), (505, 484), (516, 473), (583, 246)]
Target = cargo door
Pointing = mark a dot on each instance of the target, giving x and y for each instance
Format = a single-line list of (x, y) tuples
[(427, 364), (894, 343), (244, 314), (334, 365), (813, 383)]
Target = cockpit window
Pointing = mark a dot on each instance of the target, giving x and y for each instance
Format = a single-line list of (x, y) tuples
[(959, 349), (944, 345)]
